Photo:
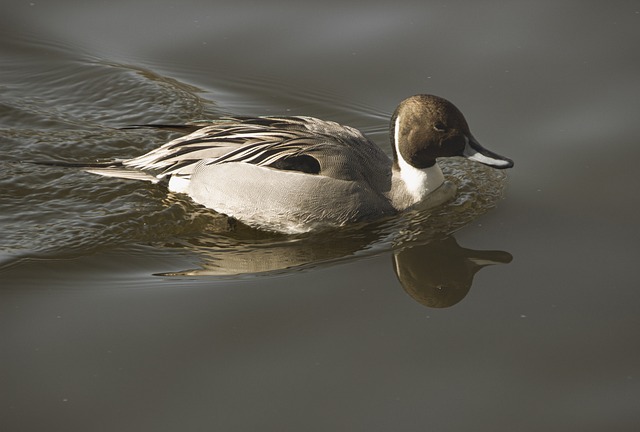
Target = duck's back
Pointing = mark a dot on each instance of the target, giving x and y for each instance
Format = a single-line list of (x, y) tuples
[(286, 143)]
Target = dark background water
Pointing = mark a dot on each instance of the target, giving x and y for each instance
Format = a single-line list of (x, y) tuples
[(90, 339)]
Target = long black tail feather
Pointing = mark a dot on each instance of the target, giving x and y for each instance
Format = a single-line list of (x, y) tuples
[(63, 164), (187, 128)]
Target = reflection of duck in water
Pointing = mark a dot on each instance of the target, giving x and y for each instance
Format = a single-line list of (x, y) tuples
[(299, 174), (439, 274), (436, 272)]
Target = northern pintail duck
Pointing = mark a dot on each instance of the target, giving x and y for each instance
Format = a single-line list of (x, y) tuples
[(297, 174)]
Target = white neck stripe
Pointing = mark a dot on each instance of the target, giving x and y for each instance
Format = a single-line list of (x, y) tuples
[(396, 135), (417, 182)]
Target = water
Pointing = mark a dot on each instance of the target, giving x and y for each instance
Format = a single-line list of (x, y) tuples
[(124, 307)]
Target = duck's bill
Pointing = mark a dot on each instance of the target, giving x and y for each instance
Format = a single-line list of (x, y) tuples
[(474, 151)]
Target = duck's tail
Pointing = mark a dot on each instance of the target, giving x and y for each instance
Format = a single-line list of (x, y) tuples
[(116, 168), (113, 168)]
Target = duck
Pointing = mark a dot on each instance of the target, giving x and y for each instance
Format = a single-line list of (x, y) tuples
[(296, 174)]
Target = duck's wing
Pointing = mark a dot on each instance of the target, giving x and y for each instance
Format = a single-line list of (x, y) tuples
[(303, 144)]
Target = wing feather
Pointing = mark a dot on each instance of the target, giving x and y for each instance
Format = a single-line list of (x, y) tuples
[(304, 144)]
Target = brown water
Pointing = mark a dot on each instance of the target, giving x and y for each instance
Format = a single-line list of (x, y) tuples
[(126, 308)]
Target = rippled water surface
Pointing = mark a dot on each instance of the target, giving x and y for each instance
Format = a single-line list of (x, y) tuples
[(512, 307)]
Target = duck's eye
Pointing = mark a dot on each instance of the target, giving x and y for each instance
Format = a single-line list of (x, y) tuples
[(440, 127)]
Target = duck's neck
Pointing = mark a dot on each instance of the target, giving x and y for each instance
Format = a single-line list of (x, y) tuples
[(411, 185)]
